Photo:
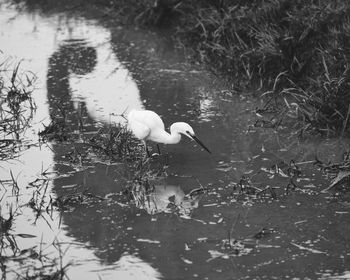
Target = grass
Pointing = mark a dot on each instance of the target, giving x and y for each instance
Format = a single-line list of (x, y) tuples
[(34, 263), (16, 111), (16, 105), (113, 142), (295, 52)]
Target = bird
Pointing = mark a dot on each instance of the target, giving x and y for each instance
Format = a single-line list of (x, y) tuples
[(147, 125)]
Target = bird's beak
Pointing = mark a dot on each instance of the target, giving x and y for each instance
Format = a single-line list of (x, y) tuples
[(194, 137)]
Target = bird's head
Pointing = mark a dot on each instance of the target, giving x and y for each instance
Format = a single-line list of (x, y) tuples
[(187, 130)]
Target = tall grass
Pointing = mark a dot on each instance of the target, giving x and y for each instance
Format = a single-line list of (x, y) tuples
[(294, 51)]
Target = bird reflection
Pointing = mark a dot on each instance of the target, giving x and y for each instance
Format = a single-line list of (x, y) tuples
[(165, 198)]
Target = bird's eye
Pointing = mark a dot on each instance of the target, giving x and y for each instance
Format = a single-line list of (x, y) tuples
[(188, 132)]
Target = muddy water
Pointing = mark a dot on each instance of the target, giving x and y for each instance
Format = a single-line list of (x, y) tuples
[(93, 72)]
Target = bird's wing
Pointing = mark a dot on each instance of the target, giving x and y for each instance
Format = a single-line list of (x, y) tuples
[(146, 117), (140, 130)]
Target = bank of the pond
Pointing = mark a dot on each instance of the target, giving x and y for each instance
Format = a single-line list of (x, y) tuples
[(295, 53)]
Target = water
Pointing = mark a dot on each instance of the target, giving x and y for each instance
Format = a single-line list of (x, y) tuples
[(97, 71)]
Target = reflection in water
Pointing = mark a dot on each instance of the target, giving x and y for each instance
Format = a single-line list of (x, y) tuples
[(69, 58), (165, 198), (128, 267), (86, 77), (108, 91), (132, 267)]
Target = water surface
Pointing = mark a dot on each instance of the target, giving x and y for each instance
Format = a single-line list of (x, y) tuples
[(94, 72)]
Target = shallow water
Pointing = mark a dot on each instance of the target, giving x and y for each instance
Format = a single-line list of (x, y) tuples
[(97, 71)]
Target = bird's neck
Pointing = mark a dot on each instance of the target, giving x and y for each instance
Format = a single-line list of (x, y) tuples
[(172, 138)]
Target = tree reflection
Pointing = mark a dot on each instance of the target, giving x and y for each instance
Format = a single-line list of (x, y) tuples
[(72, 58)]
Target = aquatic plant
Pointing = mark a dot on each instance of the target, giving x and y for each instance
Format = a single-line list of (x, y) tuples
[(16, 105), (114, 142)]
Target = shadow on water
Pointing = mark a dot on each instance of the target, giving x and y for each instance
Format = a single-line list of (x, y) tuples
[(252, 209)]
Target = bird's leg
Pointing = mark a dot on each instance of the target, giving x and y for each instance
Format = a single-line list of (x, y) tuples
[(158, 149), (166, 160), (147, 151)]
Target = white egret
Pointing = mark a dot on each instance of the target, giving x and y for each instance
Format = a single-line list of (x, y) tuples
[(147, 125)]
